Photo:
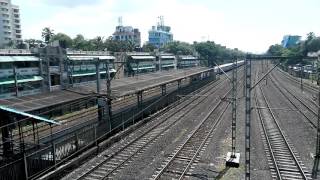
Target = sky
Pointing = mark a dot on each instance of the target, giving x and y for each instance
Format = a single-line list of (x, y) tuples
[(249, 25)]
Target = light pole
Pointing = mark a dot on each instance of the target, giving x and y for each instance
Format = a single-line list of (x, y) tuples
[(317, 156)]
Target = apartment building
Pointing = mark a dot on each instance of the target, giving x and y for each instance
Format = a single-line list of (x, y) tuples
[(10, 26)]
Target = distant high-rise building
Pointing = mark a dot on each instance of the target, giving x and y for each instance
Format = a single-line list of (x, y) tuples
[(160, 35), (10, 28), (127, 33), (290, 40)]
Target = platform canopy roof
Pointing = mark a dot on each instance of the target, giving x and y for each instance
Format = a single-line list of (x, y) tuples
[(188, 58), (168, 57), (15, 111), (18, 58), (143, 57), (30, 79), (90, 58)]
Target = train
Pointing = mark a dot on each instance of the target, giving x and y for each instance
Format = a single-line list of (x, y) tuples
[(227, 67)]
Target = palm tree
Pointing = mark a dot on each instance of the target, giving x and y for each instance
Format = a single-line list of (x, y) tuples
[(47, 34)]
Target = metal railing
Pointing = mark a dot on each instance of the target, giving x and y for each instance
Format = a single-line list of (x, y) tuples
[(59, 150)]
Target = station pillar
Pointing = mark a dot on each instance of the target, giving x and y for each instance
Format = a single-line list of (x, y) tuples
[(98, 75), (163, 89), (6, 132), (139, 98), (103, 112)]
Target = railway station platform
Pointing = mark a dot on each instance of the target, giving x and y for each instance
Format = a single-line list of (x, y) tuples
[(119, 87)]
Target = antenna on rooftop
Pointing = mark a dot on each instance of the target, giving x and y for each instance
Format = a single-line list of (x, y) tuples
[(120, 20), (161, 21)]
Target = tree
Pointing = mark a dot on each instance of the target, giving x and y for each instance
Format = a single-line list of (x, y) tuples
[(179, 48), (119, 46), (64, 40), (208, 51), (31, 42), (79, 42), (47, 34), (98, 43), (21, 45), (10, 44), (148, 47), (310, 36), (275, 50), (313, 45)]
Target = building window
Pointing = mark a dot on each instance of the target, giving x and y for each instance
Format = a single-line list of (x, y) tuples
[(6, 27), (18, 31), (16, 16), (16, 10), (6, 21), (18, 36), (7, 39), (5, 9), (17, 26), (6, 65), (16, 21), (5, 15), (4, 4), (7, 33)]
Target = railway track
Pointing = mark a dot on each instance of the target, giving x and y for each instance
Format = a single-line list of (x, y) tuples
[(179, 162), (111, 163), (289, 77), (284, 162), (89, 114), (311, 117)]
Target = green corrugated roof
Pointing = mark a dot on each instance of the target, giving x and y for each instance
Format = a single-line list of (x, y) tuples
[(89, 58), (147, 67), (89, 73), (18, 58), (167, 65), (143, 57), (11, 81)]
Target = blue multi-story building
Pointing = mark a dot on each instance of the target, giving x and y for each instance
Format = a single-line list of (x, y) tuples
[(290, 40), (160, 35)]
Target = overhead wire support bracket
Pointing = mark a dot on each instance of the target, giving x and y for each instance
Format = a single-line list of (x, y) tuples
[(263, 77), (223, 71), (233, 158)]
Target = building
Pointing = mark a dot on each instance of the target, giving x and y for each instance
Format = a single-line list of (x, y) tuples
[(290, 40), (187, 61), (20, 73), (10, 28), (166, 61), (127, 33), (139, 62), (160, 35), (23, 72), (62, 69)]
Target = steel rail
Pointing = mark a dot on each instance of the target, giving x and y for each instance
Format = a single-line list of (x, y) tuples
[(258, 111), (284, 138), (208, 89), (164, 168), (203, 143), (299, 110)]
